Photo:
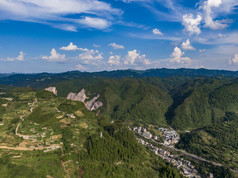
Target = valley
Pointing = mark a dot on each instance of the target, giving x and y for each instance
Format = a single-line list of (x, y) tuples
[(185, 126)]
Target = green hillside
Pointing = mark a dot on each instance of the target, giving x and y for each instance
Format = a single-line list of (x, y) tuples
[(192, 106), (128, 100), (208, 107), (46, 136), (218, 142)]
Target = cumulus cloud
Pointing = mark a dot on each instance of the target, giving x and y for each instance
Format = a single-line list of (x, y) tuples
[(234, 60), (177, 57), (55, 57), (57, 12), (116, 46), (114, 60), (89, 55), (209, 22), (80, 67), (191, 24), (187, 45), (18, 58), (134, 57), (156, 31), (70, 47), (97, 23)]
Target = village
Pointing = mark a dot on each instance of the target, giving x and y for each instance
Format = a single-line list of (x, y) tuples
[(170, 137)]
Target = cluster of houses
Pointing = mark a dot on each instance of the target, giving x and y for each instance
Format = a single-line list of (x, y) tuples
[(52, 148), (187, 169), (170, 136), (143, 132)]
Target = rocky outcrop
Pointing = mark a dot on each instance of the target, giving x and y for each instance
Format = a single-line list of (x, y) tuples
[(71, 96), (93, 104), (52, 89), (81, 96)]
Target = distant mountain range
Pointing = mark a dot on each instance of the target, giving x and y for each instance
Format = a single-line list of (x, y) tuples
[(27, 79)]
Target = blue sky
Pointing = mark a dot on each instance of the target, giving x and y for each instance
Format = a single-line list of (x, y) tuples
[(92, 35)]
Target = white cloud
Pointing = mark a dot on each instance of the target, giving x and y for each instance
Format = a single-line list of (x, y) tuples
[(90, 55), (21, 56), (65, 27), (154, 37), (134, 57), (18, 58), (177, 53), (70, 47), (114, 60), (156, 31), (222, 39), (97, 23), (116, 46), (234, 60), (221, 35), (192, 24), (55, 57), (209, 22), (177, 57), (57, 12), (187, 45), (80, 67), (202, 50)]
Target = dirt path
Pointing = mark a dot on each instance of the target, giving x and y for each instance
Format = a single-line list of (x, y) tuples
[(20, 148), (21, 117), (63, 165), (16, 131), (31, 109)]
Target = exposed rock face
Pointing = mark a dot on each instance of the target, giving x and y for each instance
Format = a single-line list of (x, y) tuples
[(81, 96), (96, 105), (93, 104), (52, 89), (71, 96)]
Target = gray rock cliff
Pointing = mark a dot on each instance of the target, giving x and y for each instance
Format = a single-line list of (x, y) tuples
[(52, 89), (91, 105)]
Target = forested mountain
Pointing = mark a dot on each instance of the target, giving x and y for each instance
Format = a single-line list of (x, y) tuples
[(204, 102), (76, 142), (217, 142)]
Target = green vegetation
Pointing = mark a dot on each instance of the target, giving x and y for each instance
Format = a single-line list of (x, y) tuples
[(92, 145), (63, 138), (218, 142)]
